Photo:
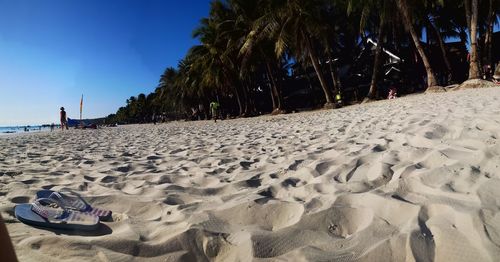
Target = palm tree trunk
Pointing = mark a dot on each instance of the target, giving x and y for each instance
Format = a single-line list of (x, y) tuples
[(235, 89), (372, 93), (251, 96), (279, 86), (246, 98), (431, 79), (463, 36), (471, 9), (271, 91), (271, 85), (333, 73), (251, 104), (317, 68), (275, 95), (238, 98), (443, 52), (468, 14), (489, 34)]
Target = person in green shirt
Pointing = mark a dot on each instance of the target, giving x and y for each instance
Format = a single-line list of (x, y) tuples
[(214, 108), (338, 100)]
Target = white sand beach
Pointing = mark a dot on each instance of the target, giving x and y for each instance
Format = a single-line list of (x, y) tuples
[(412, 179)]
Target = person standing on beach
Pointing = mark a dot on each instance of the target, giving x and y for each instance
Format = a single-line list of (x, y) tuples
[(64, 119), (214, 108)]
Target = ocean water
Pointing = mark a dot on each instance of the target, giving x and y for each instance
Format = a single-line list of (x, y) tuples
[(21, 129)]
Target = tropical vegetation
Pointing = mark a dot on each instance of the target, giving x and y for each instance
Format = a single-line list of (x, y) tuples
[(274, 56)]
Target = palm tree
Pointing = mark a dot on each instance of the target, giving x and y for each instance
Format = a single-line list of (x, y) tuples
[(471, 13), (299, 30), (490, 22), (433, 12), (141, 107), (366, 10), (337, 36), (256, 51), (218, 70), (372, 93), (132, 108), (258, 45), (166, 94), (235, 27), (405, 12)]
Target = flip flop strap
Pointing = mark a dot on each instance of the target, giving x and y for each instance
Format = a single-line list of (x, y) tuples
[(75, 194), (80, 205), (45, 212), (40, 210)]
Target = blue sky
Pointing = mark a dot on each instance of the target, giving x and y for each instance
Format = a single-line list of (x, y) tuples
[(53, 51)]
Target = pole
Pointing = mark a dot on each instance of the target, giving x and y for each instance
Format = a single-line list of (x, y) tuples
[(81, 109)]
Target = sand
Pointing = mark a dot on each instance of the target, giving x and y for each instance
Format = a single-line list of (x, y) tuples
[(411, 179)]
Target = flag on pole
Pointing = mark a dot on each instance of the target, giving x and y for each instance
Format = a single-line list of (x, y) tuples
[(81, 107)]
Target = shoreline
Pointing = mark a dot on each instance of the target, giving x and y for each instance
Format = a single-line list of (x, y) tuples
[(3, 134)]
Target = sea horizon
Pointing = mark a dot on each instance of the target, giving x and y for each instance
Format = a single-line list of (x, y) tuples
[(23, 129)]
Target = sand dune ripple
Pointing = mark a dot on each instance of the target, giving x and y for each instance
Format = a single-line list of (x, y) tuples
[(413, 179)]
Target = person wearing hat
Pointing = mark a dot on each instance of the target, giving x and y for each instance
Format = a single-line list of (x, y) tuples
[(64, 119)]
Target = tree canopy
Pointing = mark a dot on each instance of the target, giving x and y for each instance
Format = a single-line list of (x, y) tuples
[(273, 56)]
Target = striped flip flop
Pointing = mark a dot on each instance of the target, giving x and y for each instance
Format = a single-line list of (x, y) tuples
[(48, 213), (69, 199)]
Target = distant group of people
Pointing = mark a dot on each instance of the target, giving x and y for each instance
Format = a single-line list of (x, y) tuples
[(158, 118), (199, 113)]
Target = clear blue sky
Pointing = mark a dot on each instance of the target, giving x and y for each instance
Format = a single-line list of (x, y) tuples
[(53, 51)]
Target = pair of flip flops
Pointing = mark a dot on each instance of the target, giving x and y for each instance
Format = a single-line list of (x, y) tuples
[(61, 210)]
